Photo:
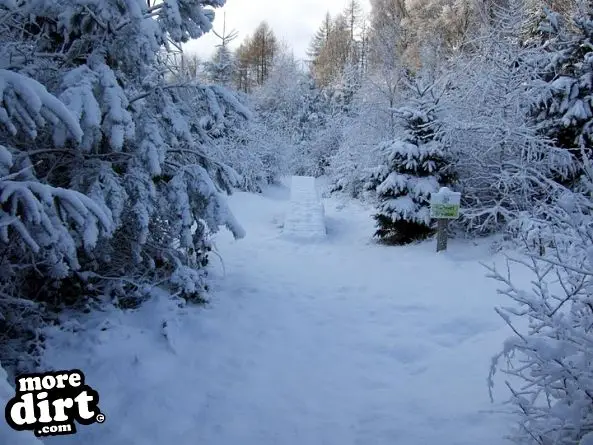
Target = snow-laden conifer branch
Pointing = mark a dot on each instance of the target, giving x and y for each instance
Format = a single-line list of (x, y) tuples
[(26, 105)]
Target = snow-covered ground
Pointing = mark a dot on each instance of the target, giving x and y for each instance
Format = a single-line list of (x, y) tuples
[(338, 342)]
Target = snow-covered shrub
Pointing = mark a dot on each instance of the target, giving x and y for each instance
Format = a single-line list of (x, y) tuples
[(262, 151), (256, 152), (299, 119), (549, 359), (316, 151), (353, 168), (361, 133), (241, 151), (337, 114), (503, 161)]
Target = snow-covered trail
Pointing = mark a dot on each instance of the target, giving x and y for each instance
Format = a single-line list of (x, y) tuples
[(338, 342)]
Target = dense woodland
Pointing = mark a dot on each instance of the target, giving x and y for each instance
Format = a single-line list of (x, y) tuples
[(115, 159)]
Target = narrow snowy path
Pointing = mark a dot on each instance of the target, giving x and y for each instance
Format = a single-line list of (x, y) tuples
[(304, 219), (338, 342)]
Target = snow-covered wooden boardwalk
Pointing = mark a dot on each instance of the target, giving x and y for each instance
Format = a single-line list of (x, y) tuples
[(305, 217)]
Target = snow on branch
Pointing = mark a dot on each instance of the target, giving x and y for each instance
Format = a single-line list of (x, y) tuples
[(26, 104), (37, 212), (185, 19), (192, 189), (549, 360)]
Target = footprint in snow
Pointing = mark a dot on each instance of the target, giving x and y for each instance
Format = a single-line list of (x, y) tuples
[(455, 331), (402, 353), (407, 308)]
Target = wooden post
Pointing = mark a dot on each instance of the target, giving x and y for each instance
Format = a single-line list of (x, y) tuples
[(442, 225)]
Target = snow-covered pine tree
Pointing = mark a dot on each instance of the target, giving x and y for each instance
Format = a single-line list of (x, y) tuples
[(563, 105), (346, 87), (125, 157), (220, 69), (416, 166)]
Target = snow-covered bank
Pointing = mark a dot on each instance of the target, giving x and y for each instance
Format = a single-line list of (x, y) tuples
[(340, 342)]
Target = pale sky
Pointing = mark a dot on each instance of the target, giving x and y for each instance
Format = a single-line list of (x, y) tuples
[(293, 21)]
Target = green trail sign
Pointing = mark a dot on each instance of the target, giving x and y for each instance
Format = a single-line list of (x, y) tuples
[(445, 204), (444, 211)]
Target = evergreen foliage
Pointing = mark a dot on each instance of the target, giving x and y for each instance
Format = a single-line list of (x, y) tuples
[(563, 105), (106, 184), (416, 165)]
